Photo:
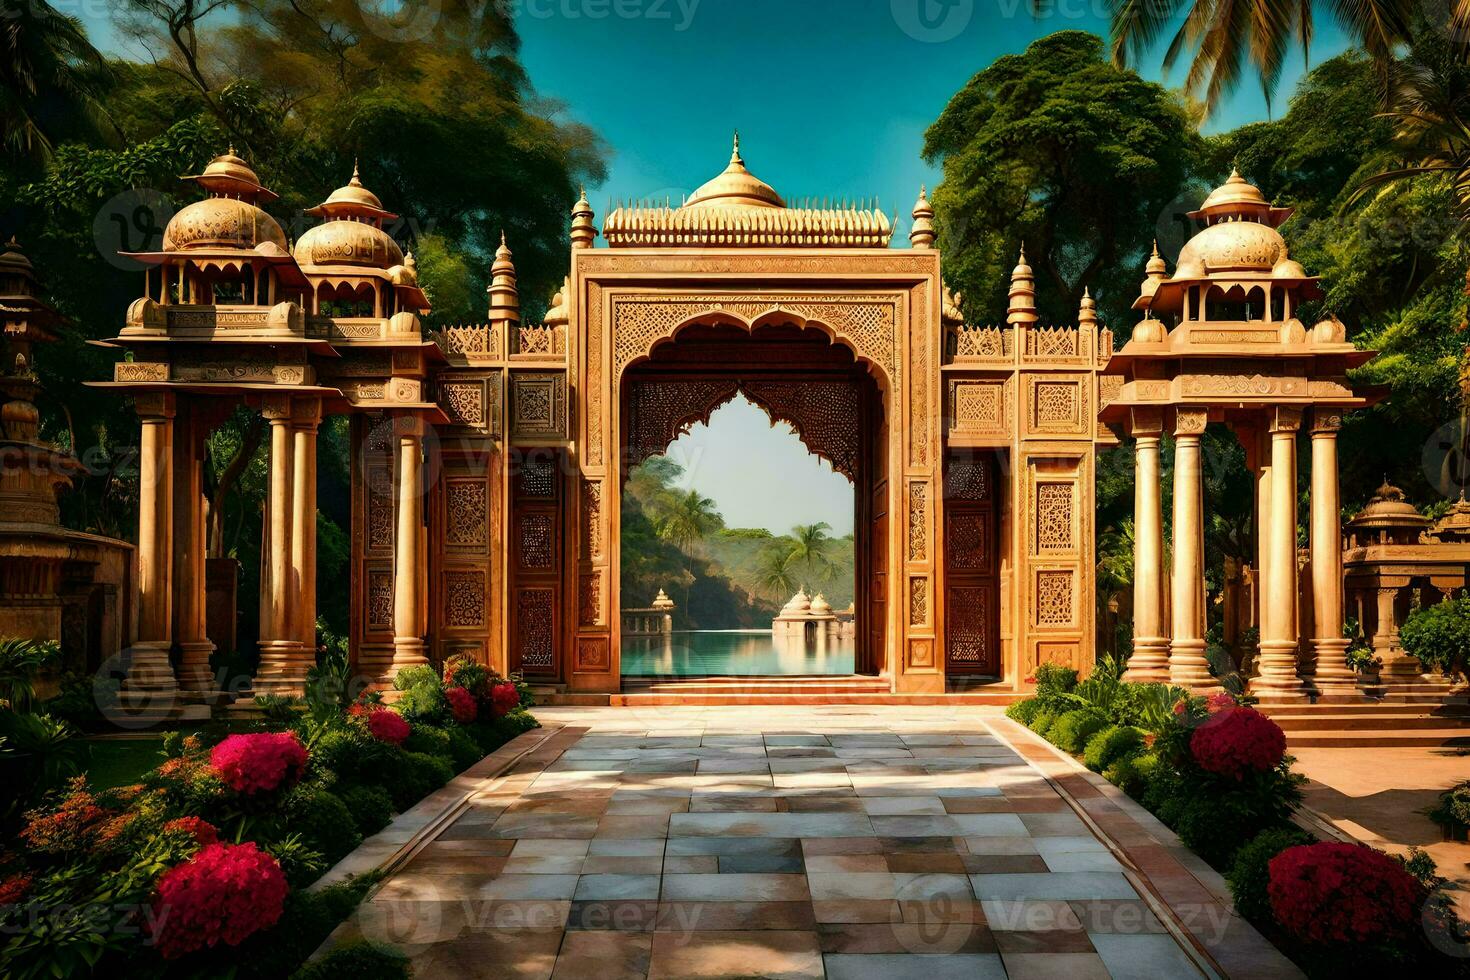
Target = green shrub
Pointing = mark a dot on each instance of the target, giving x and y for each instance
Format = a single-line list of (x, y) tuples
[(1023, 711), (1111, 744), (1249, 876), (1072, 730), (491, 733), (1452, 809), (1130, 773), (1055, 679), (351, 753), (308, 918), (429, 740), (464, 751), (423, 704), (411, 677), (371, 808), (413, 776), (1043, 721), (1215, 815), (361, 959), (323, 821), (1438, 636)]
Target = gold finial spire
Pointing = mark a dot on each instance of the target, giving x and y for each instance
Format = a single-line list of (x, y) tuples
[(584, 232), (505, 301), (735, 149), (1087, 313), (356, 178), (921, 235), (1156, 265), (1022, 309)]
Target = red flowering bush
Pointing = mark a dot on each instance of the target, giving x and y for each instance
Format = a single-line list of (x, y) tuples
[(259, 763), (203, 831), (1334, 893), (73, 827), (223, 894), (504, 698), (461, 704), (388, 726), (466, 673), (14, 887), (1238, 741)]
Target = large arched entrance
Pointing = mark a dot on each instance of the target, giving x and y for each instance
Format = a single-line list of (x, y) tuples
[(797, 375)]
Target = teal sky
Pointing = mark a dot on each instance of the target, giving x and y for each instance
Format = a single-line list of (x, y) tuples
[(831, 98)]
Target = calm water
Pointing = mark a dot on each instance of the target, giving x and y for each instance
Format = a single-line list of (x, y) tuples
[(734, 652)]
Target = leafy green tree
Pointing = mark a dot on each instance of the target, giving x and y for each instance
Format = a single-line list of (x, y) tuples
[(1059, 150), (775, 570), (51, 78), (813, 547), (691, 518)]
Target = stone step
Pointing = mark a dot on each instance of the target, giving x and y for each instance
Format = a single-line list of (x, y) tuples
[(1336, 721), (1362, 707), (1378, 739), (773, 697)]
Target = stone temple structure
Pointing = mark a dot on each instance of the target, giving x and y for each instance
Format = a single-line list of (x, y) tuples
[(489, 458)]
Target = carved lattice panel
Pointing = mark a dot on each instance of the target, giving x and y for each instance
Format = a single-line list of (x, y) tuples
[(1055, 603), (536, 475), (968, 634), (967, 479), (379, 505), (1055, 517), (535, 633), (467, 524), (380, 599), (464, 599), (660, 411), (534, 540), (538, 404), (968, 541)]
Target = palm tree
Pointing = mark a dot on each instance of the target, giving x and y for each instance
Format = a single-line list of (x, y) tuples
[(813, 547), (775, 570), (1226, 34), (691, 517), (47, 67)]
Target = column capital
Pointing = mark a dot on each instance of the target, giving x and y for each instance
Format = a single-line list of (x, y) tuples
[(1284, 420), (1326, 421), (409, 426), (1189, 421), (155, 404), (306, 412), (1146, 422), (276, 408)]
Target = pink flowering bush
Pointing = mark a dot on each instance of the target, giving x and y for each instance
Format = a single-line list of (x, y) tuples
[(224, 894), (259, 763), (462, 704), (203, 832), (388, 726), (1237, 741)]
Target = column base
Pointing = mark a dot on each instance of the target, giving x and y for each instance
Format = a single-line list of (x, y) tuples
[(149, 693), (283, 667), (408, 651), (194, 673), (1333, 675), (1188, 666), (1150, 661), (1278, 680)]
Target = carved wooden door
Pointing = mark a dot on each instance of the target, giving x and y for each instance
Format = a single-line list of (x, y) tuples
[(535, 564), (971, 536)]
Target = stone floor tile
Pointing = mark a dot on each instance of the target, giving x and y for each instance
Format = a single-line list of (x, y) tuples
[(691, 864), (1046, 966), (761, 864), (610, 864), (636, 826), (767, 953), (890, 966), (1054, 825), (857, 910), (1062, 886), (929, 887), (529, 887), (625, 847), (731, 803), (514, 915), (529, 955), (734, 916), (617, 887), (625, 915), (743, 846), (440, 863), (847, 863), (769, 825), (789, 739), (829, 846), (1081, 861), (1129, 917), (930, 863), (604, 955), (884, 806), (861, 886), (920, 845), (1000, 845), (647, 806), (818, 803), (542, 865), (549, 848), (1143, 957), (1002, 864), (735, 888), (905, 937), (1047, 941), (1011, 915)]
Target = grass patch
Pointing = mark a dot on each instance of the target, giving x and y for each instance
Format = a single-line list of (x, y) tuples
[(122, 761)]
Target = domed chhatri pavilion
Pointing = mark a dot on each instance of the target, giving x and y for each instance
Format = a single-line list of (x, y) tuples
[(488, 458)]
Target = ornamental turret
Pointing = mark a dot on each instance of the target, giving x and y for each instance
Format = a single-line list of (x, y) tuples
[(921, 234), (1022, 307)]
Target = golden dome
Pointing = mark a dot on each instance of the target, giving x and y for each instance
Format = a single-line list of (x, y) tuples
[(1288, 268), (12, 259), (221, 222), (344, 242), (1235, 194), (229, 174), (735, 188), (352, 198), (1156, 264), (1389, 509), (1455, 524), (1231, 246)]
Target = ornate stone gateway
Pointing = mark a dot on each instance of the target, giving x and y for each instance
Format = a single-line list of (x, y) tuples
[(489, 459)]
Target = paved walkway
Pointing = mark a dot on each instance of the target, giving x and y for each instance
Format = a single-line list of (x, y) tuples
[(798, 842)]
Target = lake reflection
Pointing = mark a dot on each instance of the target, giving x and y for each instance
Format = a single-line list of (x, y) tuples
[(735, 652)]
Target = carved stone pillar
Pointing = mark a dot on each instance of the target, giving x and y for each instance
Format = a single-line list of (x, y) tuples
[(1332, 675), (1279, 635), (189, 587), (281, 668), (306, 416), (149, 673), (1396, 662), (1187, 663), (409, 648), (1150, 660)]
